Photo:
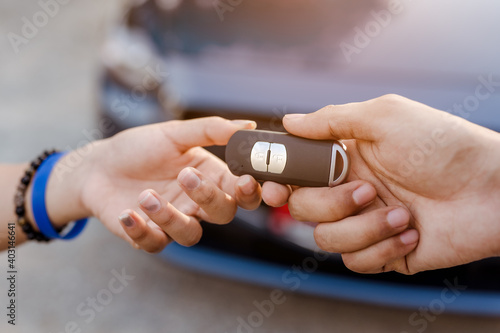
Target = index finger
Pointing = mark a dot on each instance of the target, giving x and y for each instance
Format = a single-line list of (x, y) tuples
[(207, 131), (218, 206)]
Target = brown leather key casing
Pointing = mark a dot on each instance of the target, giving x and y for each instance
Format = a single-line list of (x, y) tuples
[(287, 159)]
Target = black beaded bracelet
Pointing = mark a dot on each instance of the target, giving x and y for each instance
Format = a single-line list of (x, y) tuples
[(20, 199)]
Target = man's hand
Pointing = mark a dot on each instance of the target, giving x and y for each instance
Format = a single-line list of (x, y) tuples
[(423, 192)]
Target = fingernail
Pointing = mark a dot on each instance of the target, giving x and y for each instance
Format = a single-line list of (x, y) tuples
[(294, 116), (189, 179), (245, 123), (397, 218), (364, 194), (127, 220), (409, 237), (149, 202), (246, 185)]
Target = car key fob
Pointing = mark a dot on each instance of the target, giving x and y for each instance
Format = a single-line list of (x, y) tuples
[(287, 159)]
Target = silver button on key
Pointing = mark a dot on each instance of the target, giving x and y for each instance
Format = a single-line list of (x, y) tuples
[(259, 156), (277, 160)]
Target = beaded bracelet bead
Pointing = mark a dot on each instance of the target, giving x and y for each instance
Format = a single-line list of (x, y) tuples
[(20, 199)]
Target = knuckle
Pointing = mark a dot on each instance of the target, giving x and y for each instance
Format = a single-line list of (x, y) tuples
[(166, 219), (333, 213), (319, 238), (390, 98), (338, 209), (384, 231), (328, 109), (295, 212), (294, 208), (297, 208), (216, 118), (381, 229), (207, 197), (351, 262), (250, 205), (228, 217), (391, 102), (393, 251), (220, 215), (153, 249), (212, 123), (140, 236), (398, 265), (249, 200), (322, 239), (192, 239), (340, 204)]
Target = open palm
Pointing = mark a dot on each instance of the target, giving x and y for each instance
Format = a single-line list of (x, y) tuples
[(152, 157)]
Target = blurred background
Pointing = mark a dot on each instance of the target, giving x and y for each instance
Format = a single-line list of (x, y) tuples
[(66, 67)]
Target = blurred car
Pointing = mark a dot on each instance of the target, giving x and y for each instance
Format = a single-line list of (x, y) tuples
[(173, 59)]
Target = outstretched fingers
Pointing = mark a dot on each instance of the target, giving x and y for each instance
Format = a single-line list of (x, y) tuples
[(215, 203), (166, 224)]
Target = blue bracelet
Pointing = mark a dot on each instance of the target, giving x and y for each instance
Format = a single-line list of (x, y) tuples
[(42, 219)]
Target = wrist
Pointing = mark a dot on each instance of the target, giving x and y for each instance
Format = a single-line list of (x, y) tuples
[(492, 190), (64, 188), (496, 205)]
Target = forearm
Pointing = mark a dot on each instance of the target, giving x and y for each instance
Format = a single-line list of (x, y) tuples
[(10, 176)]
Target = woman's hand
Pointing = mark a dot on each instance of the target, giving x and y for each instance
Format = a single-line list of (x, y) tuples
[(154, 173), (423, 192)]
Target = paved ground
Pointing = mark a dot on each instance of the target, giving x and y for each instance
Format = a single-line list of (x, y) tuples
[(47, 98)]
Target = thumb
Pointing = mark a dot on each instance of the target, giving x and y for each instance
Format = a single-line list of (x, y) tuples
[(363, 121), (208, 131)]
